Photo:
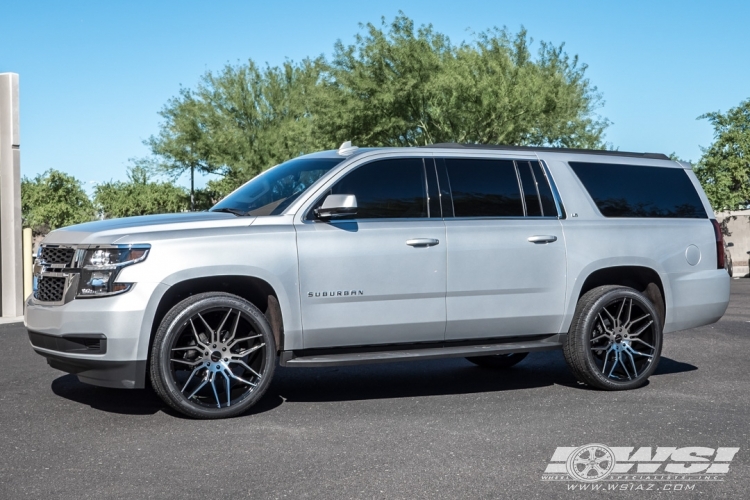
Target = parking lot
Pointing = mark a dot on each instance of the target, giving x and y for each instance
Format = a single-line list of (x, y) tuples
[(426, 429)]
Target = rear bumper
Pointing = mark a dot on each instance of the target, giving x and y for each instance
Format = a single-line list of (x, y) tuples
[(698, 299)]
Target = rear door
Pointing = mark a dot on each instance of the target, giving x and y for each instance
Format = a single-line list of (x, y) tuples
[(506, 251)]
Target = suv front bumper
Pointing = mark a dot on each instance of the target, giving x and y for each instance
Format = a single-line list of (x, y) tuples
[(103, 341)]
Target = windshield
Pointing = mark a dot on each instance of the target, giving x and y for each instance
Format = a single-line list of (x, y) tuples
[(275, 189)]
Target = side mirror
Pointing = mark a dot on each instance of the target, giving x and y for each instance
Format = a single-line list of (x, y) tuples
[(730, 244), (337, 205)]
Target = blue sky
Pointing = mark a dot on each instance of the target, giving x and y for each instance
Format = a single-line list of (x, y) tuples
[(95, 74)]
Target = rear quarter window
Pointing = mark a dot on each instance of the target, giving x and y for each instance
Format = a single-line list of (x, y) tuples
[(640, 191)]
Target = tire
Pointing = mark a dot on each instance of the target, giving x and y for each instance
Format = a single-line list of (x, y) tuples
[(499, 361), (213, 356), (614, 342)]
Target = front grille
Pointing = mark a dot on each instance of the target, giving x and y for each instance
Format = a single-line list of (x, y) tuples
[(50, 289), (58, 255)]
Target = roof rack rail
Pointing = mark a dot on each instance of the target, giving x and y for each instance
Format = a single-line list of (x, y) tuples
[(455, 145)]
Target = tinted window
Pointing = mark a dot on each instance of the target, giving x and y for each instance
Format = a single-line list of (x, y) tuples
[(530, 194), (275, 189), (387, 189), (545, 193), (484, 188), (638, 191)]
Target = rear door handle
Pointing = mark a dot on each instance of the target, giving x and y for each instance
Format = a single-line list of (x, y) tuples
[(422, 242), (543, 239)]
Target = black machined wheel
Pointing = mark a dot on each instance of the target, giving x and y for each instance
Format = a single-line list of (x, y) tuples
[(213, 356), (499, 361), (615, 340)]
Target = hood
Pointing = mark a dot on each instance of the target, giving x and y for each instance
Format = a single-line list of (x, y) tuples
[(113, 230)]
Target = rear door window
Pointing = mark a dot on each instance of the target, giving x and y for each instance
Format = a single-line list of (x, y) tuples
[(640, 191), (484, 188)]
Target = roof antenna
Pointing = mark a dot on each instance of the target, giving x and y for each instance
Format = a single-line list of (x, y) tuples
[(346, 148)]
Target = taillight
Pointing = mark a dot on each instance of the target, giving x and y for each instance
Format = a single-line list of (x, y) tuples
[(719, 245)]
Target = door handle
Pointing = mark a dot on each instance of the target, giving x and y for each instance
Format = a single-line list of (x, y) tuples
[(422, 242), (542, 239)]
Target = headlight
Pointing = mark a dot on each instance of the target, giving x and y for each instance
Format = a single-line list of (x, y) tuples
[(101, 265)]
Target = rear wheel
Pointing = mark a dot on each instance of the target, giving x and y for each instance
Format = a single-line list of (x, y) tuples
[(213, 356), (499, 360), (615, 340)]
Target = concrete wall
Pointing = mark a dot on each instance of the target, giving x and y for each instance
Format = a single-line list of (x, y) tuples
[(11, 274), (738, 232)]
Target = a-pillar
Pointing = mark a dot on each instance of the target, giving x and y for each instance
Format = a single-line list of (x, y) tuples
[(11, 260)]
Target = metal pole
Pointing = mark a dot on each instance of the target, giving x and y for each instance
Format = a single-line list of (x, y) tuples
[(11, 272), (28, 264)]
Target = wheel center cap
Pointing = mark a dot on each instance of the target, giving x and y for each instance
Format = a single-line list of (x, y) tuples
[(618, 338), (215, 356)]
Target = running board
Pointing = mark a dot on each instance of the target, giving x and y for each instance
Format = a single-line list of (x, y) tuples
[(302, 359)]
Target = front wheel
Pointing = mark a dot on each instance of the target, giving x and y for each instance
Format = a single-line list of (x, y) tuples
[(615, 339), (213, 356)]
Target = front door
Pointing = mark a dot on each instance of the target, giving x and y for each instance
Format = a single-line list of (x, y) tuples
[(380, 276)]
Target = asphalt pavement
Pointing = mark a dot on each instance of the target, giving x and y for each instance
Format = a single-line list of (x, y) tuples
[(424, 429)]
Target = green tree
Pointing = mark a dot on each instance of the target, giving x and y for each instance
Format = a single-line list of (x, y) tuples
[(238, 122), (724, 168), (397, 86), (139, 196), (54, 199)]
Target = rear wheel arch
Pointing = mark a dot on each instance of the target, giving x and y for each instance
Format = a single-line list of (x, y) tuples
[(640, 278)]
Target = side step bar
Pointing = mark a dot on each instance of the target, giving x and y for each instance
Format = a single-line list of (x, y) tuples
[(302, 359)]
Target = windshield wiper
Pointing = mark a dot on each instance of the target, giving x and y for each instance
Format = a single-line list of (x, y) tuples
[(235, 211)]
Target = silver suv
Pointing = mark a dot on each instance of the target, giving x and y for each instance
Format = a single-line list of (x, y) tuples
[(373, 255)]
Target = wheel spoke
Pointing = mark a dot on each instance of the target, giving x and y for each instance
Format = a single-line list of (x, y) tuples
[(599, 469), (604, 326), (603, 335), (632, 361), (229, 383), (637, 320), (633, 351), (207, 327), (630, 311), (234, 330), (624, 367), (642, 329), (614, 364), (218, 330), (188, 348), (619, 312), (205, 381), (216, 394), (240, 362), (606, 358), (237, 377), (196, 370), (242, 354), (240, 340), (614, 321), (644, 343), (197, 337)]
